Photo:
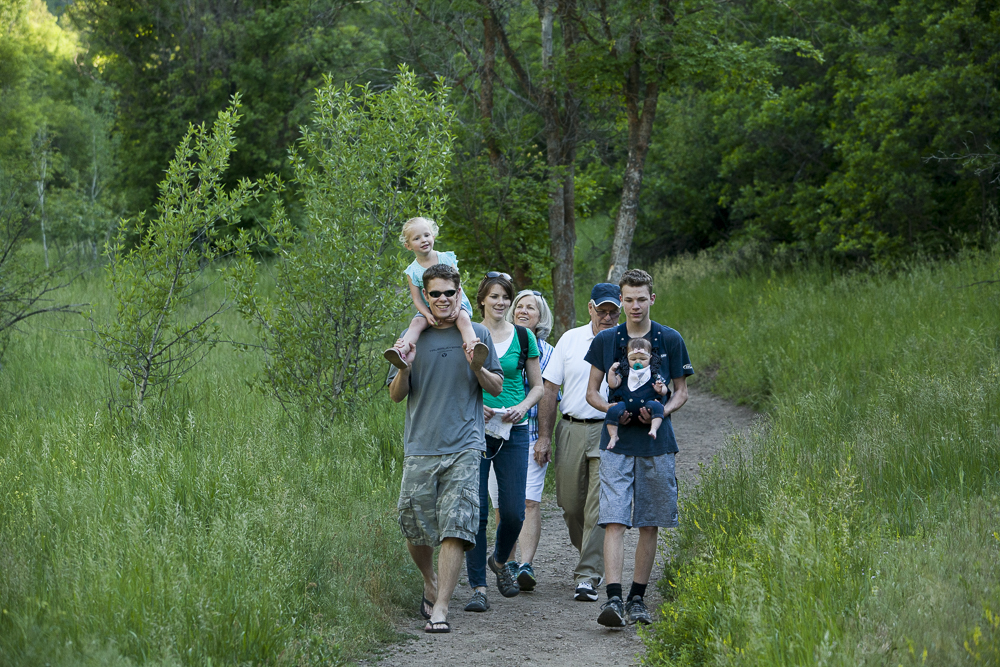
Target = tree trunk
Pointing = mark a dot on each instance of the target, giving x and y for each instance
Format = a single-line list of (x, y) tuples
[(42, 165), (640, 128), (562, 229), (486, 90)]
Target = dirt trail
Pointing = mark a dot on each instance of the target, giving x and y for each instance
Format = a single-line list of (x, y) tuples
[(547, 627)]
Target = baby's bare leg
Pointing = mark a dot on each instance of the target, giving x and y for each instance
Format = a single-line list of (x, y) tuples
[(613, 432), (654, 426)]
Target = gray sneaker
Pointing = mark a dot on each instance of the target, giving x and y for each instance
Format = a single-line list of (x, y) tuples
[(506, 577), (478, 603), (612, 613), (636, 612)]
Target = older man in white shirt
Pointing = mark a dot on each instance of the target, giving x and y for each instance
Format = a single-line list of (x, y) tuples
[(578, 438)]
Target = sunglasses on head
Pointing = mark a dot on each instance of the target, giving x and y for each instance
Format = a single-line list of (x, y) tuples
[(435, 294), (536, 292), (497, 274)]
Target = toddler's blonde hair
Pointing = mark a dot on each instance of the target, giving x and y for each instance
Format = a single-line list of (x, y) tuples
[(409, 224)]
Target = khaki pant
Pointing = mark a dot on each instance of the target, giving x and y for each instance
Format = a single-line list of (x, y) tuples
[(577, 460)]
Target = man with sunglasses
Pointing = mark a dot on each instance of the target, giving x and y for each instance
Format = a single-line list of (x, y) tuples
[(443, 439), (578, 438)]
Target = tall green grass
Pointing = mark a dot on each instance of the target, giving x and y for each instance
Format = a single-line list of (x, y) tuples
[(858, 523), (219, 530)]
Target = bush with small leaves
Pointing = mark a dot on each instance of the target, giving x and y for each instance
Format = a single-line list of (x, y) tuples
[(157, 335), (367, 163)]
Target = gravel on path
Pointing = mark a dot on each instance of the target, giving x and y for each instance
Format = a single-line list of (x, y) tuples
[(546, 626)]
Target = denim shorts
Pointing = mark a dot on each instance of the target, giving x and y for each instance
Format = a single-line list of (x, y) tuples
[(439, 498), (638, 491)]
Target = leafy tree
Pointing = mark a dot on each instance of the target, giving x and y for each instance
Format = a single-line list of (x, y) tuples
[(27, 288), (84, 205), (367, 162), (173, 63), (62, 121), (497, 218), (509, 60), (829, 158), (155, 338)]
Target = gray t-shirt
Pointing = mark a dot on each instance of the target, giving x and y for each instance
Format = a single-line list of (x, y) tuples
[(444, 409)]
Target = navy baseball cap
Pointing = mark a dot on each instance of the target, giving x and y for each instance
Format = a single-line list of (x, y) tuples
[(604, 293)]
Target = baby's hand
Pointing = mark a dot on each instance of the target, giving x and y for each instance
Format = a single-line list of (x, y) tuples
[(614, 367), (660, 388)]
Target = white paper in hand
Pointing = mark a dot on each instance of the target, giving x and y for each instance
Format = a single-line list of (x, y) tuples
[(497, 427)]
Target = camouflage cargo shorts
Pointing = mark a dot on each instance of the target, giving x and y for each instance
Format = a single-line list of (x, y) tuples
[(439, 498)]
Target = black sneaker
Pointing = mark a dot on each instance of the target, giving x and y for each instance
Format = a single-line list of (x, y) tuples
[(612, 613), (526, 577), (506, 577), (636, 612), (478, 602), (585, 592)]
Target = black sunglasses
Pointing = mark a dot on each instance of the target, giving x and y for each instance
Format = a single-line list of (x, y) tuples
[(434, 294), (536, 292), (497, 274)]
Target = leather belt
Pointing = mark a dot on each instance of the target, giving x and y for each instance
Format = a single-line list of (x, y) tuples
[(574, 420)]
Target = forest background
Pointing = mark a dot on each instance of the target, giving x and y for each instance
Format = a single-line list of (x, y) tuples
[(803, 131), (829, 164)]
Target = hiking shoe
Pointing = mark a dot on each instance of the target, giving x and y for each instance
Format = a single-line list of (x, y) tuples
[(478, 602), (612, 613), (636, 612), (585, 592), (506, 577), (526, 577)]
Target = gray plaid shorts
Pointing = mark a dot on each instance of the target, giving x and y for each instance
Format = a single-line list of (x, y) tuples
[(638, 491), (439, 498)]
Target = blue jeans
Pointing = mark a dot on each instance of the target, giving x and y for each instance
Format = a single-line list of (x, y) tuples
[(511, 466)]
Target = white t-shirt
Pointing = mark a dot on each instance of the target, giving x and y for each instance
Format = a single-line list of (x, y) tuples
[(568, 368), (502, 348)]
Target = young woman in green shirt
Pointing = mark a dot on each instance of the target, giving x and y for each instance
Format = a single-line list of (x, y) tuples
[(508, 457)]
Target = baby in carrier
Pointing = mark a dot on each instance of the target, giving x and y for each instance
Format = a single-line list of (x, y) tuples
[(641, 389)]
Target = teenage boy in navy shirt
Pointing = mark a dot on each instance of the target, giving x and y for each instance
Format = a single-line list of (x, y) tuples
[(638, 483)]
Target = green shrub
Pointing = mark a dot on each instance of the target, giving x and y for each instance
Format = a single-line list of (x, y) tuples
[(154, 339), (368, 162), (216, 530), (854, 525)]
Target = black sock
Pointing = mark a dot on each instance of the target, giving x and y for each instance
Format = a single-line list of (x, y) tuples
[(637, 589), (613, 590)]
